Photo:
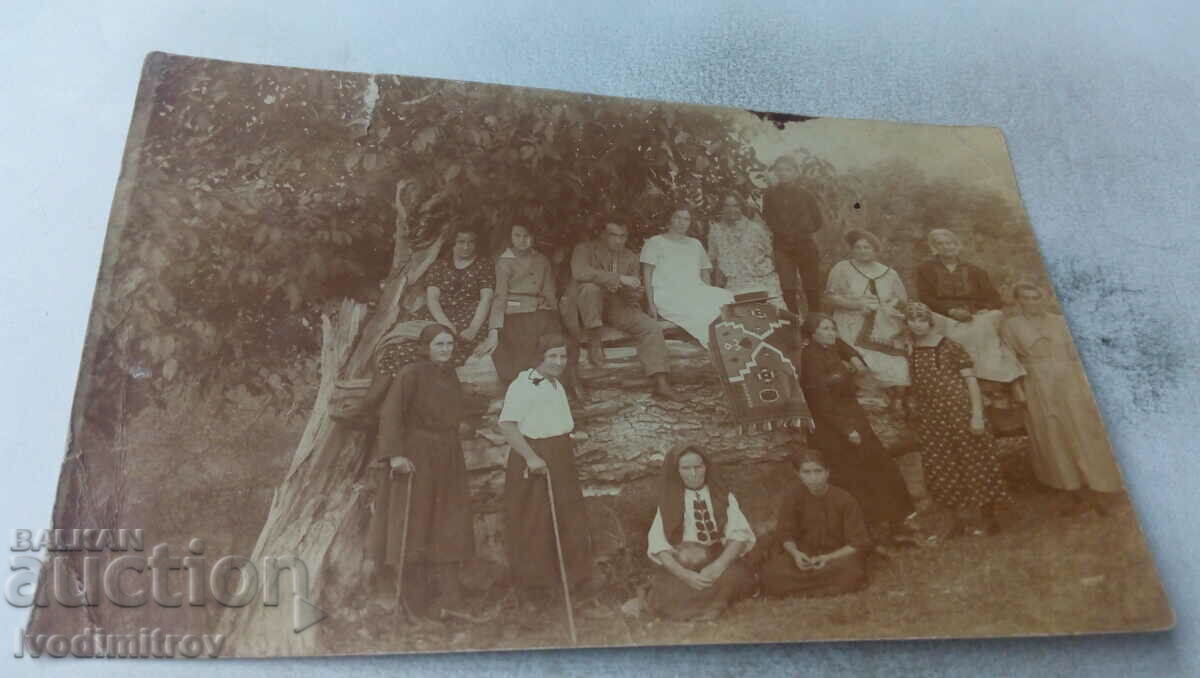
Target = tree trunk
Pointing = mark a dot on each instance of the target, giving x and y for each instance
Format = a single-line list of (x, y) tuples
[(320, 511), (323, 484)]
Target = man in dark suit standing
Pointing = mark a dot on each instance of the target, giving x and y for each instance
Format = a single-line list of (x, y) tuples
[(794, 215)]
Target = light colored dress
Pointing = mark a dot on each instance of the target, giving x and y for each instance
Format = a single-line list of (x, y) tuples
[(1071, 449), (882, 345), (994, 359), (680, 294), (743, 254), (968, 287)]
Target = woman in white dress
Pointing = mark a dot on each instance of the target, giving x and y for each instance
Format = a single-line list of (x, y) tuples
[(678, 279), (740, 248), (867, 298)]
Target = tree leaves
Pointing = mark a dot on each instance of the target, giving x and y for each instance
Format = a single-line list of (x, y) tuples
[(249, 218)]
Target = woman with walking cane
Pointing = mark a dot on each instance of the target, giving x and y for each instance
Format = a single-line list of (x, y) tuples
[(421, 526), (546, 528)]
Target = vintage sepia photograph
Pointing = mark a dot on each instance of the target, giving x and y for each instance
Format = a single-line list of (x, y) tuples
[(384, 364)]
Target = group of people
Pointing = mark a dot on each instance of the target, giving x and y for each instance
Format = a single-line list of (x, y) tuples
[(421, 530), (932, 354)]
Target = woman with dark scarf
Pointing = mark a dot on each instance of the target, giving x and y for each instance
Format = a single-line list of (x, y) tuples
[(858, 463), (698, 537), (419, 434)]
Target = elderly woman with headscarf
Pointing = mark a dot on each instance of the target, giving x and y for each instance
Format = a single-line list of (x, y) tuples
[(867, 298), (697, 538), (1070, 450), (966, 307), (419, 424)]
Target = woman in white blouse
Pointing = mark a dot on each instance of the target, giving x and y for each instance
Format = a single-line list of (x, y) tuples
[(698, 538), (866, 297), (678, 279), (536, 422)]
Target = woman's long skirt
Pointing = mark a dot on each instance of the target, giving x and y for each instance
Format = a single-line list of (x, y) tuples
[(866, 471), (440, 519), (671, 598), (516, 347), (781, 577), (529, 532), (1070, 449)]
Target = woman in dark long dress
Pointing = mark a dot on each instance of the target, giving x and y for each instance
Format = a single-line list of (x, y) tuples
[(458, 295), (857, 460), (536, 422), (698, 537), (962, 472), (824, 539), (419, 435)]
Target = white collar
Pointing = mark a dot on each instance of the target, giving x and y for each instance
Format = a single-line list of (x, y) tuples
[(537, 378)]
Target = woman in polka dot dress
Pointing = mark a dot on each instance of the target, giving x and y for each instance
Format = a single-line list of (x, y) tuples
[(458, 294), (962, 473)]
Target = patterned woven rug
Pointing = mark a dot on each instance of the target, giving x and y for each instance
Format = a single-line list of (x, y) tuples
[(752, 345)]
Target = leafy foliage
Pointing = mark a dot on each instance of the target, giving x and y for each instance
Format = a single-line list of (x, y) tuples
[(262, 196), (488, 157), (259, 197)]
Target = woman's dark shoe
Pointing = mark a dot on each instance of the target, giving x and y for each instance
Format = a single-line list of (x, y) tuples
[(903, 535)]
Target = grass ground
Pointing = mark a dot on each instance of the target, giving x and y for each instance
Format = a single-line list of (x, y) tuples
[(1044, 573)]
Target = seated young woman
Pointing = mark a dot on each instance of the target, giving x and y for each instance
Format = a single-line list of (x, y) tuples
[(698, 537), (823, 536)]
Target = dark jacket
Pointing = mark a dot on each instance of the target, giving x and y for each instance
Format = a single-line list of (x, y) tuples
[(791, 212), (968, 286)]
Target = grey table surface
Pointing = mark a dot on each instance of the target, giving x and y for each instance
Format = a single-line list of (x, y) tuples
[(1100, 102)]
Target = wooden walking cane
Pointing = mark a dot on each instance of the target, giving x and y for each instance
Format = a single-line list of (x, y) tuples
[(404, 544), (562, 568)]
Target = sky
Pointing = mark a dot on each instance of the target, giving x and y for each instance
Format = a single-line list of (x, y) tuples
[(975, 155)]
